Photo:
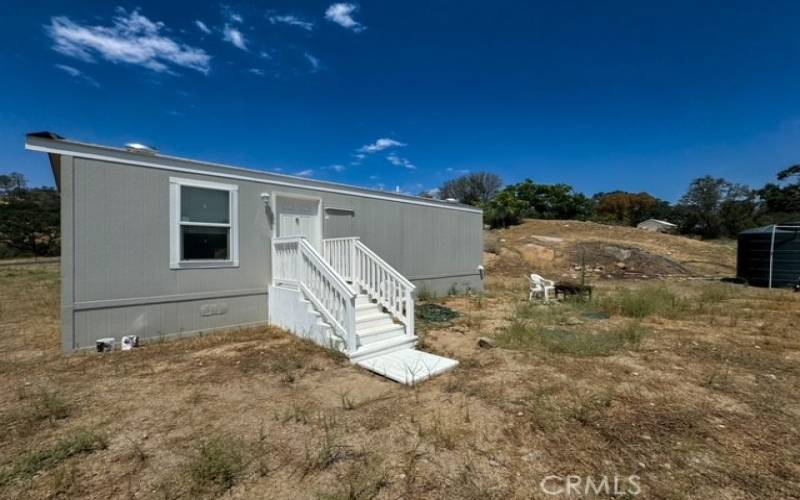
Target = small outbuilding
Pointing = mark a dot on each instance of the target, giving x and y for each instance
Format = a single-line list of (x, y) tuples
[(657, 226), (769, 256)]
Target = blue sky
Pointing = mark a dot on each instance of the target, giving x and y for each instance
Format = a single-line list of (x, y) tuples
[(601, 95)]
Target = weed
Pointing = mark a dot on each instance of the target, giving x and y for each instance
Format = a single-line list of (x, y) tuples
[(218, 464), (49, 406), (645, 301), (360, 481), (80, 442), (521, 334), (440, 433), (348, 402), (329, 451)]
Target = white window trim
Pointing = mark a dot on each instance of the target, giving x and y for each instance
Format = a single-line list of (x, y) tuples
[(175, 224)]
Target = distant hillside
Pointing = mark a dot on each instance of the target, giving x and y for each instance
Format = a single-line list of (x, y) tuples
[(557, 248)]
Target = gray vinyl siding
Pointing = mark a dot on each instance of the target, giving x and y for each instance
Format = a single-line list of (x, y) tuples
[(116, 251)]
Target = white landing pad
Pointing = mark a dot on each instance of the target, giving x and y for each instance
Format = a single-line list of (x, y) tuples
[(408, 366)]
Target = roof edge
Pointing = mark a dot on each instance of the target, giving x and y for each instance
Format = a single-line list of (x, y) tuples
[(51, 143)]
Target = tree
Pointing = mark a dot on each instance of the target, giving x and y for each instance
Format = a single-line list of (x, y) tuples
[(29, 218), (552, 201), (630, 209), (473, 189), (14, 181), (714, 207), (504, 210), (793, 171)]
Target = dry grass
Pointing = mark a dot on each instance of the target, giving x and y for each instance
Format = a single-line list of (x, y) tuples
[(690, 385)]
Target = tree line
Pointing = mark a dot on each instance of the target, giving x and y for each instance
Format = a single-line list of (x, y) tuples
[(29, 218), (712, 207)]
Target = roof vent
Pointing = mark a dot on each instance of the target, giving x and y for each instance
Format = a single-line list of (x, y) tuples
[(135, 147)]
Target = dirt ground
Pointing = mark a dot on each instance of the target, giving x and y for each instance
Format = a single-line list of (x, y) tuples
[(685, 389), (566, 248)]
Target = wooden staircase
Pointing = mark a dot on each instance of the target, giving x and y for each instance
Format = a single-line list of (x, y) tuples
[(368, 305)]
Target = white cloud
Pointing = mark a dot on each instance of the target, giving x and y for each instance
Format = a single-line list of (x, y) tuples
[(373, 177), (131, 38), (202, 26), (342, 14), (231, 15), (401, 162), (380, 145), (313, 61), (461, 171), (304, 173), (256, 71), (337, 168), (68, 69), (234, 36), (292, 21), (77, 74)]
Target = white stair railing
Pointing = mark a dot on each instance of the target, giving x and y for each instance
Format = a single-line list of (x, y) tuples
[(296, 262), (383, 283)]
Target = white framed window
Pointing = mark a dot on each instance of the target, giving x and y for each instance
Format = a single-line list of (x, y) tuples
[(204, 224)]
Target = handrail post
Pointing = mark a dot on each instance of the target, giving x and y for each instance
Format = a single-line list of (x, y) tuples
[(409, 311)]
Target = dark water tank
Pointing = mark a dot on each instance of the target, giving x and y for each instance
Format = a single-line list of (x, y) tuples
[(756, 250)]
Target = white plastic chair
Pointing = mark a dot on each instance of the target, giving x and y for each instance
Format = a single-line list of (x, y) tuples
[(540, 286)]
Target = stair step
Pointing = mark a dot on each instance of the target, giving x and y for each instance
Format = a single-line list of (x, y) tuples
[(363, 299), (370, 320), (379, 333), (408, 366), (367, 308), (382, 347)]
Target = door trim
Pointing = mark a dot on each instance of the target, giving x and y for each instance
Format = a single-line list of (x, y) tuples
[(273, 201)]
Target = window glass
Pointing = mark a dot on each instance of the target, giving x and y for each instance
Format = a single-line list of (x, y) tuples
[(204, 205), (204, 243)]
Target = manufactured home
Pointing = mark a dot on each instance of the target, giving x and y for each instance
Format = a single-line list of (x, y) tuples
[(159, 247)]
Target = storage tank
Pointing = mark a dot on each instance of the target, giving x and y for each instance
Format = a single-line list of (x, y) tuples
[(770, 256)]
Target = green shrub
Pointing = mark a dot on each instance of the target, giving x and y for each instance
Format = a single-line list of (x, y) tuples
[(435, 313)]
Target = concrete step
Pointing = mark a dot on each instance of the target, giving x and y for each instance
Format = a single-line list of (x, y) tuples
[(378, 333), (408, 366)]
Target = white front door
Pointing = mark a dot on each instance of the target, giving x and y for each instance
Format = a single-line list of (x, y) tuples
[(299, 217)]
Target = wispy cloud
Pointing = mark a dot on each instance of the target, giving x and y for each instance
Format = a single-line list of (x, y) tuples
[(231, 15), (78, 74), (373, 177), (380, 145), (234, 36), (132, 38), (401, 162), (292, 21), (342, 14), (256, 71), (337, 168), (305, 173), (264, 55), (202, 26), (313, 61), (460, 171)]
